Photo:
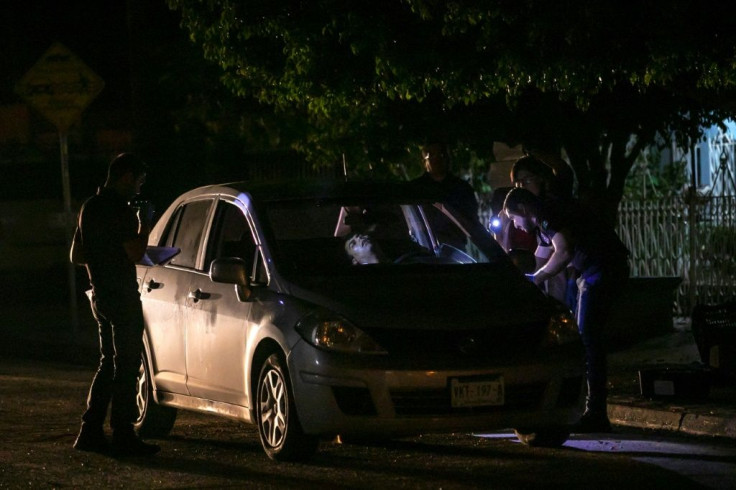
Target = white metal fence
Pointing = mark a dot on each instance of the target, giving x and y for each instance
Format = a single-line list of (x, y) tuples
[(693, 239)]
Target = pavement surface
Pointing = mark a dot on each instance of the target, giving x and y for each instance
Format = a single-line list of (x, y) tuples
[(706, 406), (683, 395)]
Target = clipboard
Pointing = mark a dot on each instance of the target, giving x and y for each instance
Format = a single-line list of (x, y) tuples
[(158, 255)]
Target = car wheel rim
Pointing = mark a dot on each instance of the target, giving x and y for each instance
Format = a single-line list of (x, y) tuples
[(140, 396), (273, 408)]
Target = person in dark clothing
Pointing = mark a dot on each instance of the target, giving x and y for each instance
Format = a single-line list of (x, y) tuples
[(110, 239), (544, 174), (458, 193), (550, 178), (601, 261)]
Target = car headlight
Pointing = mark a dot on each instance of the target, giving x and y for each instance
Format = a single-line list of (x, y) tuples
[(562, 328), (337, 334)]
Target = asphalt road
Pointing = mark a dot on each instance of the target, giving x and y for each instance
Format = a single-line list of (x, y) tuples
[(40, 405)]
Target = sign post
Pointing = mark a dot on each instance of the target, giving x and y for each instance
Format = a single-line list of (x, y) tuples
[(60, 86)]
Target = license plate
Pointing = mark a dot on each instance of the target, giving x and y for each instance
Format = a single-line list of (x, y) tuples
[(476, 392)]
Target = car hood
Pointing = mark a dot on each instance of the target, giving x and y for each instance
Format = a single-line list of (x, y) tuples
[(416, 298)]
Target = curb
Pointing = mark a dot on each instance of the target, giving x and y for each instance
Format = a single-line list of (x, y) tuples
[(658, 416)]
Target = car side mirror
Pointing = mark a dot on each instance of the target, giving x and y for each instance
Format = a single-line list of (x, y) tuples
[(231, 270)]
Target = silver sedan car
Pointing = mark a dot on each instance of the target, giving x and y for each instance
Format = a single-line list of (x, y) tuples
[(365, 310)]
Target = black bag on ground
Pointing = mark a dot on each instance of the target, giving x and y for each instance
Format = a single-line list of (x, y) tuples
[(714, 329)]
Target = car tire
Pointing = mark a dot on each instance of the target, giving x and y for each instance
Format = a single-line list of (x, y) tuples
[(543, 437), (279, 429), (153, 420)]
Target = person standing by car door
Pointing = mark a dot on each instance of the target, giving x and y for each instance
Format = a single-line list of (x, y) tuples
[(601, 259), (458, 193), (437, 174), (109, 241)]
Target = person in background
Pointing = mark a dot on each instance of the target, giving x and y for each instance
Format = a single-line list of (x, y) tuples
[(584, 242), (458, 193), (544, 174), (438, 174), (110, 239)]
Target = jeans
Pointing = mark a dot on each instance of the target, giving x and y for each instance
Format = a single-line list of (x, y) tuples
[(120, 323), (596, 294)]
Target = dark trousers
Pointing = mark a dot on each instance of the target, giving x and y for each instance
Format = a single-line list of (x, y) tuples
[(596, 294), (120, 322)]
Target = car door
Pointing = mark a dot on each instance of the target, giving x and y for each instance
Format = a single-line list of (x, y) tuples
[(217, 321), (164, 296)]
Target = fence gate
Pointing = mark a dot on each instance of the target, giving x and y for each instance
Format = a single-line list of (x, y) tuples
[(721, 150)]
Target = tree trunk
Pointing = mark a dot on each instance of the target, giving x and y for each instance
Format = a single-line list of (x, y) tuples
[(599, 189)]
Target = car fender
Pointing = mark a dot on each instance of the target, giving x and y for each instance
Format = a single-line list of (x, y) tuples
[(271, 328), (149, 359)]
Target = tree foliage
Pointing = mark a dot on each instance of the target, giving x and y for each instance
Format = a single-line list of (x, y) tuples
[(373, 80)]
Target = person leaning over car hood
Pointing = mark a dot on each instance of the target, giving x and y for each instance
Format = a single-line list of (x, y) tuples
[(595, 251)]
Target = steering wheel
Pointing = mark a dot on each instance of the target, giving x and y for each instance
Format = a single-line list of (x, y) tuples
[(455, 254)]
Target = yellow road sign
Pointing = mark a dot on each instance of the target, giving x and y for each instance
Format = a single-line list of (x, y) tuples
[(60, 86)]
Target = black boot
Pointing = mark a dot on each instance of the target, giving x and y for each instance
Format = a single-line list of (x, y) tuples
[(125, 442), (595, 416), (91, 438)]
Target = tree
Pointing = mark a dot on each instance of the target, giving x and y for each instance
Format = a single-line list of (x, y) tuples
[(191, 128), (372, 80)]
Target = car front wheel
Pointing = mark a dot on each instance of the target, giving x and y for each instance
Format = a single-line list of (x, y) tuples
[(153, 419), (278, 425)]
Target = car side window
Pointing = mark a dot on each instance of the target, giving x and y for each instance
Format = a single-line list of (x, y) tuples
[(231, 236), (187, 234)]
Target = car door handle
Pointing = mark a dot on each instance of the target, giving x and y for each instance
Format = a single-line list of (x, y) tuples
[(197, 295), (150, 285)]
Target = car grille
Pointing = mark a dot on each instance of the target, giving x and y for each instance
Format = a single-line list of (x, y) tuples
[(437, 401), (496, 343), (354, 401), (358, 402)]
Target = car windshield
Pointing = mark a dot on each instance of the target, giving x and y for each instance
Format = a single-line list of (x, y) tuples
[(319, 237)]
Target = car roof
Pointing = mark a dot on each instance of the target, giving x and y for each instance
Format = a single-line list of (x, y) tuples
[(327, 189)]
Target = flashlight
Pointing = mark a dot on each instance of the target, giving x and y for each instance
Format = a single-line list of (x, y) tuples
[(494, 223)]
